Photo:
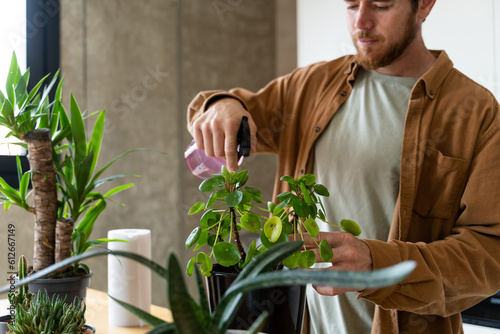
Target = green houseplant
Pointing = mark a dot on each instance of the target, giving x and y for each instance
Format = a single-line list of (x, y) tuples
[(63, 170), (192, 315), (233, 206)]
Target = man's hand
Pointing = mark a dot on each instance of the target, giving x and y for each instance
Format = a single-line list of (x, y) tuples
[(349, 253), (216, 131)]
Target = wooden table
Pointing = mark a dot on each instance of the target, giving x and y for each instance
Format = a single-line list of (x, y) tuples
[(97, 314)]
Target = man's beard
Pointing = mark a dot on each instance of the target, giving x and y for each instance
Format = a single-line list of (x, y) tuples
[(389, 54)]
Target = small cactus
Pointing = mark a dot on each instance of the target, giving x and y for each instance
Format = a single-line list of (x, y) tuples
[(22, 296)]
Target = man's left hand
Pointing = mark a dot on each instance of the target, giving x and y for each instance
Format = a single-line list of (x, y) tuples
[(349, 253)]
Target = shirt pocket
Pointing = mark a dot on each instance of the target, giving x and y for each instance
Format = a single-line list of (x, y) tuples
[(440, 182)]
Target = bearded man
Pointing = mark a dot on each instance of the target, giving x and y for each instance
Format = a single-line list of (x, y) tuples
[(410, 147)]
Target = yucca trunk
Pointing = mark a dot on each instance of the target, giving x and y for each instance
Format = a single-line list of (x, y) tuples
[(45, 195)]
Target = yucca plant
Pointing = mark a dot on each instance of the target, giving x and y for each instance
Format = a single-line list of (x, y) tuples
[(192, 315), (62, 162)]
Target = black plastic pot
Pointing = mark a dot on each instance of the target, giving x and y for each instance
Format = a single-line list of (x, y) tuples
[(285, 305), (68, 288)]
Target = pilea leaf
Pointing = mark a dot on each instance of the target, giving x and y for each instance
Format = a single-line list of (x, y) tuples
[(292, 261), (206, 265), (321, 190), (210, 185), (251, 222), (301, 208), (193, 237), (197, 207), (325, 251), (272, 228), (306, 259), (308, 179), (234, 198), (311, 227), (350, 226), (190, 266), (226, 254)]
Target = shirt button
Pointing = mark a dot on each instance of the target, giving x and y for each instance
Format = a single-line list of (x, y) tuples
[(316, 129), (343, 93), (301, 171)]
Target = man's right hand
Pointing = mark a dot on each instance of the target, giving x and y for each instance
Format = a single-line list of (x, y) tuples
[(216, 131)]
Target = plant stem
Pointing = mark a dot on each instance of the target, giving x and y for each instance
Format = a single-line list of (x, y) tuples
[(236, 234)]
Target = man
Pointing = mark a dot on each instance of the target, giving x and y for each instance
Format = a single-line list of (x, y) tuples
[(409, 146)]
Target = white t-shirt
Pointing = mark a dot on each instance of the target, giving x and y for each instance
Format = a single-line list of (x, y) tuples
[(358, 159)]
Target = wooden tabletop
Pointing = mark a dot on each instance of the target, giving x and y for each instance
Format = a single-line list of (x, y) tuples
[(97, 314)]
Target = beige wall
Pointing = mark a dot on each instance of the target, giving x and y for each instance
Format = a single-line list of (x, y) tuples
[(143, 61)]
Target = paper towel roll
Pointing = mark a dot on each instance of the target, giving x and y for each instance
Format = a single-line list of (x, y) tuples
[(128, 280)]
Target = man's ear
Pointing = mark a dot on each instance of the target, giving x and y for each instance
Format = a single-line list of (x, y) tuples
[(424, 8)]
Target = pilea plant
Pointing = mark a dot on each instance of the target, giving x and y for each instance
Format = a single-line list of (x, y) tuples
[(233, 206)]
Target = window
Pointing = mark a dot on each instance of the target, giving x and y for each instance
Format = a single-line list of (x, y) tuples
[(31, 29)]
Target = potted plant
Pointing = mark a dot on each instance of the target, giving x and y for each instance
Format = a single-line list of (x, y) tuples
[(192, 315), (233, 206), (63, 173), (52, 315)]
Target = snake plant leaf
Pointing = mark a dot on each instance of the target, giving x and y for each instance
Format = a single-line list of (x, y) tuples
[(258, 324), (226, 254), (165, 328), (273, 228), (202, 295), (140, 313), (325, 251), (350, 226), (234, 198), (197, 207), (311, 227), (321, 190), (307, 259), (189, 317), (193, 237), (251, 222)]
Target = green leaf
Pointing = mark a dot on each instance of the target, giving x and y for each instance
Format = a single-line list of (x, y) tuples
[(321, 190), (241, 178), (210, 185), (225, 173), (288, 179), (12, 78), (188, 315), (305, 193), (311, 227), (226, 254), (250, 253), (350, 226), (206, 264), (268, 244), (193, 237), (78, 133), (140, 313), (292, 261), (211, 200), (190, 266), (197, 207), (308, 179), (301, 208), (306, 259), (251, 222), (209, 218), (325, 251), (96, 139), (272, 229), (234, 198), (253, 191)]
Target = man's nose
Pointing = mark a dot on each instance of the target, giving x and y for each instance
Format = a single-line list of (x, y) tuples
[(364, 17)]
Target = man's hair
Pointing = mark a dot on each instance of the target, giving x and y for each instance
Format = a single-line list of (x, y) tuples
[(414, 4)]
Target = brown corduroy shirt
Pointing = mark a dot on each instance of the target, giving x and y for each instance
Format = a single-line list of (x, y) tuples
[(447, 216)]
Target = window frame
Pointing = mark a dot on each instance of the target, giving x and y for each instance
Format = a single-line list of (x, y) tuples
[(42, 57)]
